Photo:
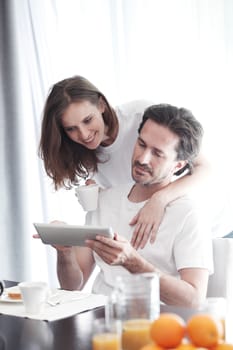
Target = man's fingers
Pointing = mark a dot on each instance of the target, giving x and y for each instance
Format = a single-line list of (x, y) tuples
[(105, 251), (101, 242)]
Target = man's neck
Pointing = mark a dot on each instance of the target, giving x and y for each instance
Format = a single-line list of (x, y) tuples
[(140, 193)]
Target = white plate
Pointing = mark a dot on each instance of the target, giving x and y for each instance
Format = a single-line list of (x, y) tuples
[(4, 298)]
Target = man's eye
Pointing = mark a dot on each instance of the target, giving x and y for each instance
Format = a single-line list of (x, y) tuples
[(141, 144), (88, 120), (157, 154)]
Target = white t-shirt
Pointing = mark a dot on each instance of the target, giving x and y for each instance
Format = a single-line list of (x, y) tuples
[(183, 239), (117, 167)]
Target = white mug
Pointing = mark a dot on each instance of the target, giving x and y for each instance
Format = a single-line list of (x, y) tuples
[(34, 296), (88, 196)]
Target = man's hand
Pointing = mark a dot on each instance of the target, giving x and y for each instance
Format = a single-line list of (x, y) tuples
[(120, 252), (115, 251), (57, 247), (147, 221)]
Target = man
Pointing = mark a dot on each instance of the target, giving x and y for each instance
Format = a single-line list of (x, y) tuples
[(168, 141)]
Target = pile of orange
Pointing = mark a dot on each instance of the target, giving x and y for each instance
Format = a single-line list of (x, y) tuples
[(170, 331)]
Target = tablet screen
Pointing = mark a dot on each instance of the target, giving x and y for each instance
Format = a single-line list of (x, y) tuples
[(70, 235)]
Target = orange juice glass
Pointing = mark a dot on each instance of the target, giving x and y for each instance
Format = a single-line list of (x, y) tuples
[(135, 334), (106, 341), (106, 334)]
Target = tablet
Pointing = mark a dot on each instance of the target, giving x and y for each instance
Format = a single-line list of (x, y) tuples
[(70, 235)]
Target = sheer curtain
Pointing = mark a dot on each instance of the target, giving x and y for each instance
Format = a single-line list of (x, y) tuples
[(174, 51)]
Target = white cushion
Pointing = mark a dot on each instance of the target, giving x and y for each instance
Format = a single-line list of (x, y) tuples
[(220, 283)]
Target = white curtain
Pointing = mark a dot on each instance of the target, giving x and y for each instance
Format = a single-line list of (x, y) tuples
[(174, 51)]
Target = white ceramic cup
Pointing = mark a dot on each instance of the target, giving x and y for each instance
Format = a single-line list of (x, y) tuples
[(88, 196), (34, 296)]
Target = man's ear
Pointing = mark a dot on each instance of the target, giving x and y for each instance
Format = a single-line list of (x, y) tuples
[(180, 165)]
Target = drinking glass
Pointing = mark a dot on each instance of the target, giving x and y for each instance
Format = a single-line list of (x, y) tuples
[(136, 301), (216, 306), (106, 334)]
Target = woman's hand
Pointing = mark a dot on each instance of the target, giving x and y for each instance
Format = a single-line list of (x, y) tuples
[(147, 221), (90, 182)]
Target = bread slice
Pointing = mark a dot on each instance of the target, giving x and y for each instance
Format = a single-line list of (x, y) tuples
[(14, 293)]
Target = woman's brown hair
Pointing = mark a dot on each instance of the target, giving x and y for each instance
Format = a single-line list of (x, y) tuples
[(66, 161)]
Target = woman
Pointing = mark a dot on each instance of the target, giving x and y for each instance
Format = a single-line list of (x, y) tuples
[(83, 135)]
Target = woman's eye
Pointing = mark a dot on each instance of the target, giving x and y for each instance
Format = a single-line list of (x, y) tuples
[(69, 129)]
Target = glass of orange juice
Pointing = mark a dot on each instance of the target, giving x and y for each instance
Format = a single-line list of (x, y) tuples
[(106, 334), (135, 334), (137, 303)]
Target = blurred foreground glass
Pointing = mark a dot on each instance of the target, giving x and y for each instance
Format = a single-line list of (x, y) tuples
[(106, 334), (136, 301), (216, 306)]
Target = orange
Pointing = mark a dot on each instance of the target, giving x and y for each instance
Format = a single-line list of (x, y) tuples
[(204, 330), (154, 347), (168, 330), (187, 346)]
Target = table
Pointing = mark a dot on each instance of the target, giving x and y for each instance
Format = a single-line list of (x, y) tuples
[(72, 333)]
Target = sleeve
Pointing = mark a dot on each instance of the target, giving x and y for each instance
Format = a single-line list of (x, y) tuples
[(193, 245)]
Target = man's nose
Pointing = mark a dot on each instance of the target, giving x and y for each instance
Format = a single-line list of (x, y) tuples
[(145, 157)]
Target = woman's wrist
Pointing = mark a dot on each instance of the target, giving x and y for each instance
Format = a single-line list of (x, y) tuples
[(163, 196)]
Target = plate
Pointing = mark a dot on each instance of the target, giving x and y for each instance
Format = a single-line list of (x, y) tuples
[(5, 298)]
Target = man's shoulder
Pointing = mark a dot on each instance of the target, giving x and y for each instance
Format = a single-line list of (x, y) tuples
[(187, 211)]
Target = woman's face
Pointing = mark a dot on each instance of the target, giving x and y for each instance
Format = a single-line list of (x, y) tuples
[(83, 123)]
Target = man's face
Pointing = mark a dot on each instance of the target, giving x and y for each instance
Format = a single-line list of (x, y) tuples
[(154, 157)]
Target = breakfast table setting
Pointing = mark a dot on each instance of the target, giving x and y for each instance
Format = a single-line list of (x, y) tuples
[(67, 321), (58, 304)]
